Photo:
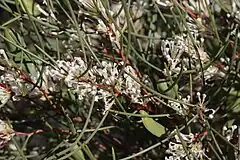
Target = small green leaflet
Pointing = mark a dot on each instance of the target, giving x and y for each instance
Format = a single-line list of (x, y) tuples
[(151, 125)]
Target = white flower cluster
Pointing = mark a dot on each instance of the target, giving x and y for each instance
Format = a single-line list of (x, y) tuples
[(17, 84), (13, 80), (213, 71), (99, 81), (94, 6), (105, 26), (198, 6), (180, 109), (177, 152), (6, 133), (69, 71), (5, 94), (177, 49), (235, 9), (173, 51), (229, 131), (164, 3)]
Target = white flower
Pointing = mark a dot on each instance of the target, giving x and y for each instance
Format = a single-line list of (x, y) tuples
[(172, 51), (13, 80), (164, 3), (19, 83), (95, 6), (6, 133), (91, 4), (213, 71), (69, 71), (180, 109), (198, 6), (114, 35), (116, 8), (176, 150), (101, 27), (132, 88), (97, 81), (229, 131), (5, 94), (108, 105)]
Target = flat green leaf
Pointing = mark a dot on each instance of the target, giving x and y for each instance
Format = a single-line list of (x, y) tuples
[(79, 154), (29, 6), (235, 106), (9, 34), (151, 125), (234, 93), (163, 88), (226, 5), (53, 45)]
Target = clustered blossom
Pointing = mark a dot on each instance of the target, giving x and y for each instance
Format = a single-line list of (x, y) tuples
[(94, 6), (229, 131), (184, 110), (176, 150), (181, 109), (5, 94), (6, 133), (105, 27), (235, 9), (198, 6), (172, 51), (175, 51), (182, 49), (13, 80), (96, 81), (164, 3), (17, 84)]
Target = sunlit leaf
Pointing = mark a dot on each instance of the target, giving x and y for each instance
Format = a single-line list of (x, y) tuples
[(163, 87), (79, 154), (29, 6), (232, 92), (226, 5), (151, 125), (9, 34), (233, 100), (235, 106)]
